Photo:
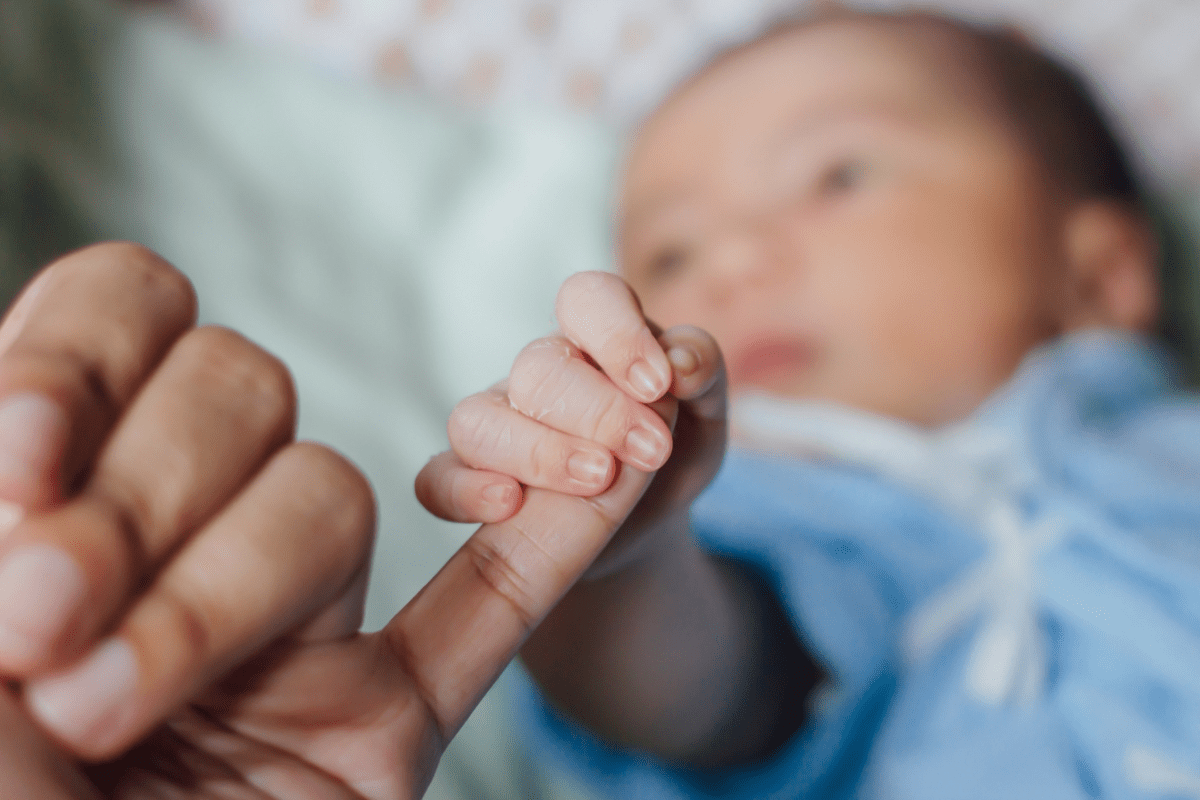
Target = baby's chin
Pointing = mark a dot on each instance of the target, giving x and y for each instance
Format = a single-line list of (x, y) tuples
[(913, 409), (781, 365)]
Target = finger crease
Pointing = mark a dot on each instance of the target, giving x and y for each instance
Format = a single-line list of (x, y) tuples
[(498, 573)]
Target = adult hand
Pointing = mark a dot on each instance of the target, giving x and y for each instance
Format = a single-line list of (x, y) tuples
[(181, 582)]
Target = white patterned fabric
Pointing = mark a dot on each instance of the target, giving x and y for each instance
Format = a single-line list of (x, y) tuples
[(617, 57)]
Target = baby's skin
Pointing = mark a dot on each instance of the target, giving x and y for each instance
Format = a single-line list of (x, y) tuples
[(606, 392), (851, 215)]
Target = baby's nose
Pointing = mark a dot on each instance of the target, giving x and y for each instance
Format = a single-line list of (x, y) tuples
[(745, 253)]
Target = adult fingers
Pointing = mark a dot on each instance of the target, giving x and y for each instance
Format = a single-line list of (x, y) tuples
[(292, 543), (76, 347), (453, 491), (601, 315), (456, 636), (551, 382), (30, 766), (207, 419)]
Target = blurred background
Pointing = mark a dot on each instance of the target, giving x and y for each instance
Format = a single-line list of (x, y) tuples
[(616, 58), (387, 193)]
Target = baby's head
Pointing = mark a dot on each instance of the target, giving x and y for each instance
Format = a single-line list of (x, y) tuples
[(884, 211)]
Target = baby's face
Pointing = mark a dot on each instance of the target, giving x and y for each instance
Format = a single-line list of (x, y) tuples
[(846, 225)]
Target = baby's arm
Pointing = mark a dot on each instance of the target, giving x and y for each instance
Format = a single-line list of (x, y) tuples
[(662, 647)]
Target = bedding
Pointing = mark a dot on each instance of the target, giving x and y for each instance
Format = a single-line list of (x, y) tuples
[(394, 249)]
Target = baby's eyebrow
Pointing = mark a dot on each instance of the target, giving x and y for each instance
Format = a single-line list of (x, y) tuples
[(650, 209), (899, 114)]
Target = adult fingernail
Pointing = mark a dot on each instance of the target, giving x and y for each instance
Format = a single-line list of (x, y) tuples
[(40, 588), (647, 381), (647, 446), (588, 467), (683, 359), (88, 701), (30, 427)]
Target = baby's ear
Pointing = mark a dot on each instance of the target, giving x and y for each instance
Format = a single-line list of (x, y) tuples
[(1112, 268)]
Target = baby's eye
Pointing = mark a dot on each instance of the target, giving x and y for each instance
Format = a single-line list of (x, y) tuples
[(667, 263), (841, 177)]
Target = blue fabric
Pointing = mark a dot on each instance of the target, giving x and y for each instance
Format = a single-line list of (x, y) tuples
[(1117, 453)]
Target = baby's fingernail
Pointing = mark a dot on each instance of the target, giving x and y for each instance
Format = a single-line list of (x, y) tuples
[(87, 702), (40, 589), (647, 381), (647, 446), (683, 359), (499, 495), (30, 429), (588, 467)]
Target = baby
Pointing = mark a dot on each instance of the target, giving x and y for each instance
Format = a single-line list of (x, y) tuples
[(954, 552)]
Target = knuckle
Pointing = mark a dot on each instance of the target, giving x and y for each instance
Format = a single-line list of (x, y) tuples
[(335, 492), (240, 370), (500, 574), (610, 418), (546, 460), (536, 383), (168, 291), (190, 625)]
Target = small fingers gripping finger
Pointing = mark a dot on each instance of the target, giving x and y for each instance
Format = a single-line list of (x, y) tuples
[(452, 491), (487, 433), (600, 314), (553, 383), (698, 370)]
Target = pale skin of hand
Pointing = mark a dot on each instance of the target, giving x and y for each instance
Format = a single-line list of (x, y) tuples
[(183, 614), (661, 647)]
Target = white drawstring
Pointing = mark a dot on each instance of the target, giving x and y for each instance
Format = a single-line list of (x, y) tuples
[(970, 470), (1007, 659), (976, 473)]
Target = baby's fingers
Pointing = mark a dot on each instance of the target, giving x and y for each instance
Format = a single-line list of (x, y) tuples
[(551, 382), (487, 433), (601, 315), (699, 370), (452, 491)]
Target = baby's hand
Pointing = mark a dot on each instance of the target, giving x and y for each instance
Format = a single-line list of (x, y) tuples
[(578, 402)]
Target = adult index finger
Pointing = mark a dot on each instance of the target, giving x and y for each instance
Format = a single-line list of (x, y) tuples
[(30, 766), (460, 631), (601, 316)]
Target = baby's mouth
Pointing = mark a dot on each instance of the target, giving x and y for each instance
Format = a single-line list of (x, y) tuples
[(771, 362)]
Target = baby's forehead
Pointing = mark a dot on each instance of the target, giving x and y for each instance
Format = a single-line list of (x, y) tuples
[(934, 57), (807, 68)]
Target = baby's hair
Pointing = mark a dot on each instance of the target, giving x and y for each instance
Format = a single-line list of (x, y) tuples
[(1050, 106), (1053, 109)]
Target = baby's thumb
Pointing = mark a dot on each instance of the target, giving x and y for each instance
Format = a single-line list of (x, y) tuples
[(698, 369), (701, 428)]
